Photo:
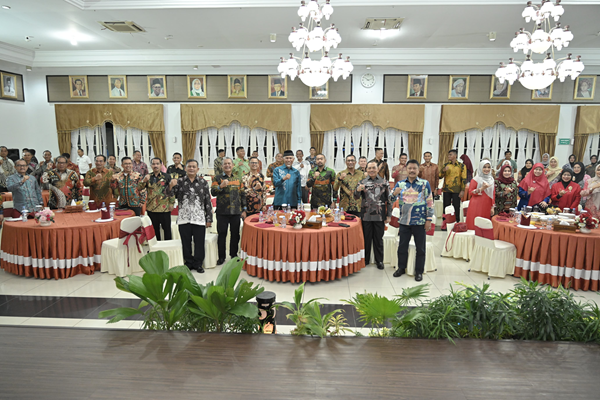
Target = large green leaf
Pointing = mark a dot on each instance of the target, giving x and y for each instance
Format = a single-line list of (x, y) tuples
[(155, 262), (122, 284), (137, 287), (154, 285), (245, 310), (205, 308), (119, 314), (227, 273), (189, 282)]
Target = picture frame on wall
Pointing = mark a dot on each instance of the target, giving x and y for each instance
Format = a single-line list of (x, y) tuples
[(196, 86), (9, 85), (237, 86), (277, 87), (157, 87), (542, 94), (78, 87), (319, 92), (117, 86), (585, 87), (417, 87), (499, 91), (458, 88)]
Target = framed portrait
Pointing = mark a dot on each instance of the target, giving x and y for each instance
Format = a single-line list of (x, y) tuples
[(542, 94), (319, 92), (9, 85), (417, 87), (157, 87), (277, 87), (237, 86), (117, 87), (585, 86), (196, 86), (499, 90), (459, 87), (78, 87)]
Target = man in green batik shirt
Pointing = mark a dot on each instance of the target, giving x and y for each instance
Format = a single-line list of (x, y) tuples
[(218, 166), (347, 182), (240, 165), (321, 180)]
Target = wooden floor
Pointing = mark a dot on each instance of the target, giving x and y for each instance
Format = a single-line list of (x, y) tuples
[(54, 363)]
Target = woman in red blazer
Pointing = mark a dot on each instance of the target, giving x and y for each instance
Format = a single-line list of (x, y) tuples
[(565, 192)]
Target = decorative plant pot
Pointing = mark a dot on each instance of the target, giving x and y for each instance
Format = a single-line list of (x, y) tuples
[(298, 226), (45, 223), (585, 230)]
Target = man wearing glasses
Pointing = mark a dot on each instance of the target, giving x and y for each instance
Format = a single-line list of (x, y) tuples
[(25, 189)]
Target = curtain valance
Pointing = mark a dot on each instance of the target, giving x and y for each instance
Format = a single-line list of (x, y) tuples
[(147, 117), (272, 117), (541, 119), (588, 120), (404, 117)]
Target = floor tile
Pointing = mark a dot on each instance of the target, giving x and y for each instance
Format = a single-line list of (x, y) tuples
[(27, 306), (58, 322), (329, 295), (20, 285), (101, 324), (12, 320), (71, 307), (60, 287), (4, 276), (115, 303), (5, 298), (97, 288)]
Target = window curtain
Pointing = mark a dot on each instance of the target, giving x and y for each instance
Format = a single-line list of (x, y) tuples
[(261, 136), (276, 148), (537, 157), (120, 133), (523, 136), (328, 145), (340, 137), (415, 145), (74, 141), (284, 139), (356, 136), (242, 134), (488, 135), (445, 145), (228, 135), (89, 138), (369, 131), (347, 145), (591, 148), (471, 136), (104, 144), (504, 135), (157, 140), (212, 143), (390, 144), (316, 141), (547, 143), (197, 155), (579, 146), (188, 141), (137, 138)]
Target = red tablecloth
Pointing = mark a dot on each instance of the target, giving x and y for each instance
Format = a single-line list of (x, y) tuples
[(7, 196), (290, 255), (70, 246), (569, 259)]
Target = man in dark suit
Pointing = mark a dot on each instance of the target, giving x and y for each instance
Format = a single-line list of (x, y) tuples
[(277, 86), (417, 88), (79, 89)]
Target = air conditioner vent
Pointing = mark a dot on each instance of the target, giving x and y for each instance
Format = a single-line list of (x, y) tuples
[(122, 26), (376, 24)]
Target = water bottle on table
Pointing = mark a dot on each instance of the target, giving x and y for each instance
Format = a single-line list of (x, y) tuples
[(24, 214), (261, 217)]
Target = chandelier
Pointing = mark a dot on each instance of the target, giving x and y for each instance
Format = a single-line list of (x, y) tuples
[(541, 75), (313, 38)]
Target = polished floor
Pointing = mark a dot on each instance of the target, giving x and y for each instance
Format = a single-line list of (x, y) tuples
[(75, 302)]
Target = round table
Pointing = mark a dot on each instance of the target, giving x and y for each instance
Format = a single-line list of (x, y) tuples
[(292, 255), (7, 196), (70, 246), (569, 259)]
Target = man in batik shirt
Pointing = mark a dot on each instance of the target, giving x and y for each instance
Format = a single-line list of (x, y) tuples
[(347, 182), (98, 180), (240, 164), (160, 201), (25, 189), (383, 170), (65, 185), (176, 170), (254, 185), (7, 167), (321, 180), (218, 165), (71, 165), (46, 165), (138, 165), (454, 175), (127, 186), (231, 208), (312, 159), (31, 165), (278, 163)]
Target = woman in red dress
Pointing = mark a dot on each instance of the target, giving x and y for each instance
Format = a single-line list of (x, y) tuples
[(482, 193), (565, 192)]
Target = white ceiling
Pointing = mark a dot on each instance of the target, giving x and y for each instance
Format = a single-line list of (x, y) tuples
[(451, 32)]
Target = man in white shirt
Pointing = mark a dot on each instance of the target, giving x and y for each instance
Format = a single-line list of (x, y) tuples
[(83, 162), (304, 168), (116, 90)]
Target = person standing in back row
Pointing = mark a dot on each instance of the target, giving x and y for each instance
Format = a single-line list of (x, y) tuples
[(454, 175), (321, 179), (160, 201)]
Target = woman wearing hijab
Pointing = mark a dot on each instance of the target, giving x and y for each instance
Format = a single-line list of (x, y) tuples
[(579, 175), (545, 159), (566, 193), (591, 169), (467, 163), (534, 190), (196, 89), (591, 194), (571, 163), (553, 171), (525, 170), (482, 194), (506, 190)]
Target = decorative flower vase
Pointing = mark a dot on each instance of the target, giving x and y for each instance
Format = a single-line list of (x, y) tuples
[(298, 226), (45, 223), (584, 230)]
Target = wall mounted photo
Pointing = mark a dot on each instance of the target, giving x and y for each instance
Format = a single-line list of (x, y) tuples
[(196, 85), (78, 87), (585, 86), (237, 86), (117, 87), (459, 87), (9, 85), (319, 93), (499, 90), (277, 87), (157, 87), (542, 94), (417, 87)]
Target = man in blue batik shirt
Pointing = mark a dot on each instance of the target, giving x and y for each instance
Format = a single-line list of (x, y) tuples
[(25, 189), (287, 181), (416, 211)]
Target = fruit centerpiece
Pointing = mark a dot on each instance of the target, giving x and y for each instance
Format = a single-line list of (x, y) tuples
[(324, 210)]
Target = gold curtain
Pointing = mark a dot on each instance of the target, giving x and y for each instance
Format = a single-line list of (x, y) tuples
[(415, 145), (316, 141), (189, 145), (547, 143), (273, 117), (157, 140), (579, 145), (446, 141), (284, 140), (64, 141), (588, 120), (541, 119), (404, 117), (147, 117)]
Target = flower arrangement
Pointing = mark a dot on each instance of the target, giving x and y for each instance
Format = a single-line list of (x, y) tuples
[(44, 216), (297, 217), (585, 220)]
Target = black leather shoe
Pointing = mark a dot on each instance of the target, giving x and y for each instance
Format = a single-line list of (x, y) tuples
[(418, 277), (200, 270), (398, 273), (379, 265), (220, 261)]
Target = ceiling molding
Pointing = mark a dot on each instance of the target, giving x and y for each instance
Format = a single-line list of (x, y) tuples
[(17, 55), (163, 4)]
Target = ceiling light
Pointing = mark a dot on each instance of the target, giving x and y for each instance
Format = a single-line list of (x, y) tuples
[(168, 37), (273, 37), (368, 67), (28, 68), (492, 36), (6, 7), (195, 67), (74, 42)]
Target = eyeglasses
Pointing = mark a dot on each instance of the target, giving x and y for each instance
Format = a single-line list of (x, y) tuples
[(20, 165)]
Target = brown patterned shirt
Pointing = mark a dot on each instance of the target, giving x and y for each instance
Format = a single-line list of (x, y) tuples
[(347, 186)]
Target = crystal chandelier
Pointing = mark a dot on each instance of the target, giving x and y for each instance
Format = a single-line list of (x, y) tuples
[(541, 75), (313, 38)]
